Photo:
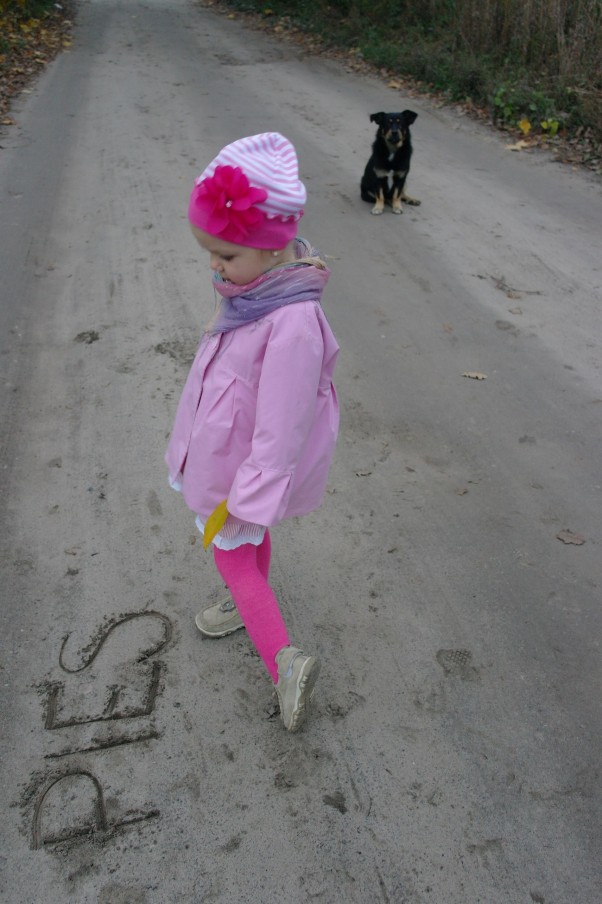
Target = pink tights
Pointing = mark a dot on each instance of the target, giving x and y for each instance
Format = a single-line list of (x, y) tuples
[(245, 571)]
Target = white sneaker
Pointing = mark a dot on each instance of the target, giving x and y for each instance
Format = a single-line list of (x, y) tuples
[(219, 620), (297, 676)]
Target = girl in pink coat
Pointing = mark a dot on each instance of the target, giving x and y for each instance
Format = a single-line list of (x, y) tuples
[(257, 422)]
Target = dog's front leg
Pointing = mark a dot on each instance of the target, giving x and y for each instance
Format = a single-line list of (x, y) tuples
[(381, 192), (380, 203), (396, 202), (399, 179)]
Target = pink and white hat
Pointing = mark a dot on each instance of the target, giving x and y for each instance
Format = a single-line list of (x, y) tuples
[(251, 193)]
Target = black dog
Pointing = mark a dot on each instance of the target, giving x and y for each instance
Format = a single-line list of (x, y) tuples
[(387, 169)]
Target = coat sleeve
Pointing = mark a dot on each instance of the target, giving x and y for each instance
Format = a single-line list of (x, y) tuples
[(286, 405)]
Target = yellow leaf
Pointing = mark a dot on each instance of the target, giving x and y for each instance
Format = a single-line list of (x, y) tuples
[(215, 522), (525, 126)]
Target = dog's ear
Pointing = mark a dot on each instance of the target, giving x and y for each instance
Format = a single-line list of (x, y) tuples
[(409, 116), (378, 118)]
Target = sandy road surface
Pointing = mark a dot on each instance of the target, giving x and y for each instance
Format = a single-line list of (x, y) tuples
[(454, 753)]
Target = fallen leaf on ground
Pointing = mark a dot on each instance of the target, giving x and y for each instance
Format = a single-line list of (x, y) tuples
[(88, 336), (474, 375), (567, 536), (518, 146)]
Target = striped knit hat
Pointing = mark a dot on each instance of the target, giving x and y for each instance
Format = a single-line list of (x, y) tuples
[(251, 193)]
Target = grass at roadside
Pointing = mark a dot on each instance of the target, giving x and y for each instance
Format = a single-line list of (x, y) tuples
[(534, 108), (32, 33)]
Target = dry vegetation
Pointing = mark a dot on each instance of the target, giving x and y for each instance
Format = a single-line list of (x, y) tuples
[(531, 67), (32, 32)]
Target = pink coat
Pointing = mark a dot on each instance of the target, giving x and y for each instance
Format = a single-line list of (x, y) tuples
[(258, 418)]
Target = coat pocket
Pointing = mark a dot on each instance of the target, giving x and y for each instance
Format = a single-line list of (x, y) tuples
[(228, 417)]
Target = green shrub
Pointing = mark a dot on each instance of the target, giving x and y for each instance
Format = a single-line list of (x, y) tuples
[(538, 60), (23, 10)]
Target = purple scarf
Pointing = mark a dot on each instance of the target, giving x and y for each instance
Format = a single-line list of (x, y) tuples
[(301, 280)]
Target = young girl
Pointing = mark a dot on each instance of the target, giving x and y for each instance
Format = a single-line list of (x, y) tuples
[(257, 422)]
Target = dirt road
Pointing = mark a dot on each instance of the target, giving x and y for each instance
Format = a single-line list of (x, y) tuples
[(451, 583)]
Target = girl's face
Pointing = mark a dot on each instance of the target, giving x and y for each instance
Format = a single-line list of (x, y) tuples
[(236, 263)]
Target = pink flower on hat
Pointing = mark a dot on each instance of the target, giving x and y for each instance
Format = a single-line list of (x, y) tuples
[(229, 199), (251, 193)]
